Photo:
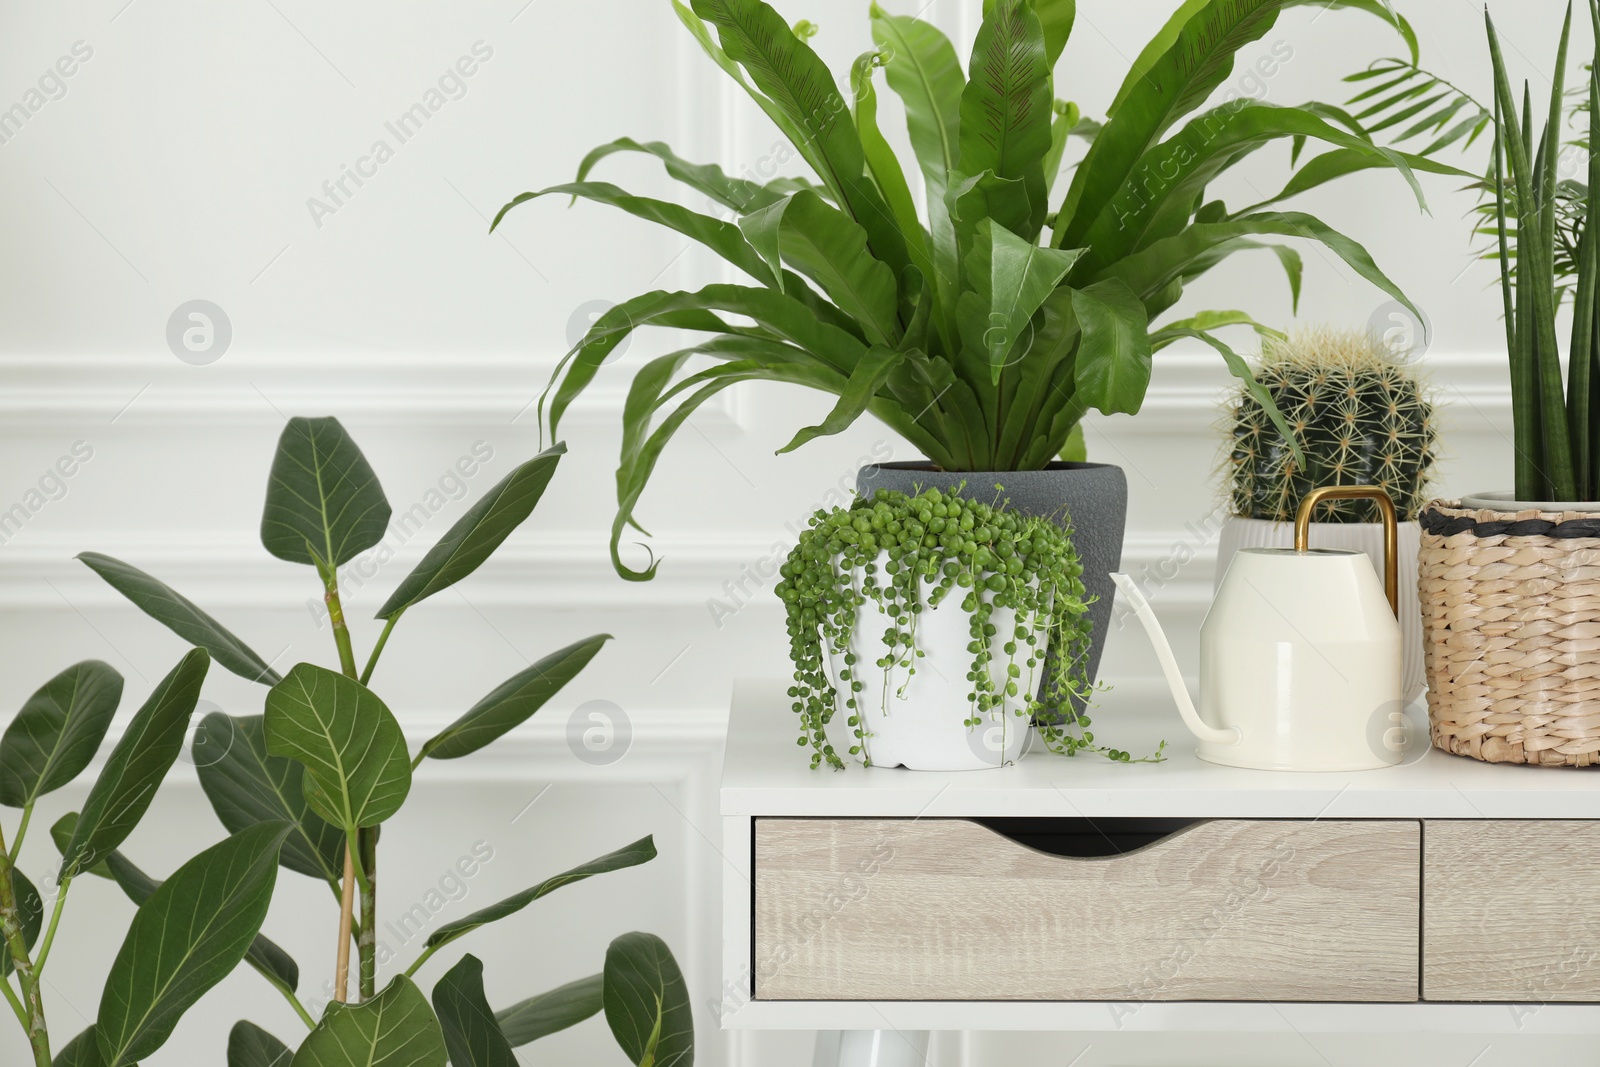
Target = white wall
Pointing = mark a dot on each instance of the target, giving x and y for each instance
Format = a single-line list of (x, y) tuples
[(178, 165)]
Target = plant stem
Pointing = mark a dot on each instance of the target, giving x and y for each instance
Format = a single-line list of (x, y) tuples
[(16, 1005), (341, 968), (341, 632), (377, 649), (11, 926), (22, 831), (427, 954), (367, 941), (50, 934)]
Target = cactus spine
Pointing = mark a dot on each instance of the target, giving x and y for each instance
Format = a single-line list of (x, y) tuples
[(1362, 417)]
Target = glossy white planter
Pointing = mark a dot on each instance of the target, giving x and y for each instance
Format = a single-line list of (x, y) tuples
[(918, 721), (1364, 537)]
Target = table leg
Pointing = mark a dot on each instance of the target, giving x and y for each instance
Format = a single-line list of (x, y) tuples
[(872, 1048)]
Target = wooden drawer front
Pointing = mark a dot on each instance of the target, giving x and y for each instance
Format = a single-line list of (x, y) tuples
[(1511, 910), (946, 909)]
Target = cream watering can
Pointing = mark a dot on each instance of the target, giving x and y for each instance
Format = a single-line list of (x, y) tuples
[(1299, 654)]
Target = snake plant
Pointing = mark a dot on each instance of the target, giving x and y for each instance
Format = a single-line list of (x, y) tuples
[(983, 324), (1557, 445)]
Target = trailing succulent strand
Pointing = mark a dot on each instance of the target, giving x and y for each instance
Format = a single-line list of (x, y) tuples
[(1361, 418), (907, 554)]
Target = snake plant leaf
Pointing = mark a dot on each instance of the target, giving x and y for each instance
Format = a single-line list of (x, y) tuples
[(397, 1027), (357, 769), (192, 931), (178, 614), (513, 701), (795, 79), (1010, 279), (552, 1011), (324, 504), (1007, 104), (57, 732), (647, 1002), (737, 194), (264, 955), (137, 764), (866, 380), (475, 536), (472, 1034), (721, 237), (247, 785), (1113, 369), (30, 909), (81, 1051), (251, 1046), (828, 247), (641, 851)]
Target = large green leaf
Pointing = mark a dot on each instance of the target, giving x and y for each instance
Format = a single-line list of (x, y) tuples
[(739, 194), (81, 1051), (471, 1033), (795, 79), (647, 1002), (251, 1046), (828, 247), (178, 614), (323, 499), (1113, 368), (30, 909), (552, 1011), (1171, 259), (137, 764), (185, 939), (641, 851), (394, 1029), (922, 68), (884, 163), (476, 535), (1007, 104), (721, 237), (1241, 370), (246, 785), (357, 770), (1056, 17), (268, 959), (513, 701), (58, 731), (1010, 278)]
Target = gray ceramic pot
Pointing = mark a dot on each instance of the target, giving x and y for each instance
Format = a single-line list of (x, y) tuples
[(1092, 496)]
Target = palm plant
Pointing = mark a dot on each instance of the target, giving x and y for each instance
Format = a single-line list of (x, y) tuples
[(1557, 445), (985, 327)]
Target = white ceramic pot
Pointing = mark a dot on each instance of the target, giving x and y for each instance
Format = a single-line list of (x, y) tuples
[(918, 721), (1352, 536)]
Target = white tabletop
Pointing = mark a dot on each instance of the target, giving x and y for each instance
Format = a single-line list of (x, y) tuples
[(766, 773)]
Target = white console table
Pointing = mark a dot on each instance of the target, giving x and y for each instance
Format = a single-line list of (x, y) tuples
[(1076, 894)]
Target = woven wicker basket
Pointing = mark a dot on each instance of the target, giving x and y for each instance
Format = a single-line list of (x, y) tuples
[(1511, 633)]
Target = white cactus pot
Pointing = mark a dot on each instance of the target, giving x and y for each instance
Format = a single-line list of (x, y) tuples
[(1365, 537), (918, 720)]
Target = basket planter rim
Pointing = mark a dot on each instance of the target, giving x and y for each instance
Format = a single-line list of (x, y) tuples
[(1502, 500)]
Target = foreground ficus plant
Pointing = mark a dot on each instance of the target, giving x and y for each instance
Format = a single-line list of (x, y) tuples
[(304, 786)]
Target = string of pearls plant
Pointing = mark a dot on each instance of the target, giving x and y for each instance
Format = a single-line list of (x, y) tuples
[(906, 554)]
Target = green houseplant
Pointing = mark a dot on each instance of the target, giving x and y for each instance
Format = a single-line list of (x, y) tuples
[(305, 786), (984, 323), (1363, 416), (1506, 578), (896, 588)]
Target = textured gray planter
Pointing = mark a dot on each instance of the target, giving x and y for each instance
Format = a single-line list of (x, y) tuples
[(1092, 496)]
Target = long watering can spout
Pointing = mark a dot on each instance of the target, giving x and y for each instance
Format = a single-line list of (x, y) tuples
[(1169, 667)]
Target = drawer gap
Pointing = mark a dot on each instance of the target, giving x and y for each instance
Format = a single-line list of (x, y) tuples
[(1085, 838)]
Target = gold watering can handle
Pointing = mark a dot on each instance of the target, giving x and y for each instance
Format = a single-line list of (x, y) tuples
[(1391, 531)]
